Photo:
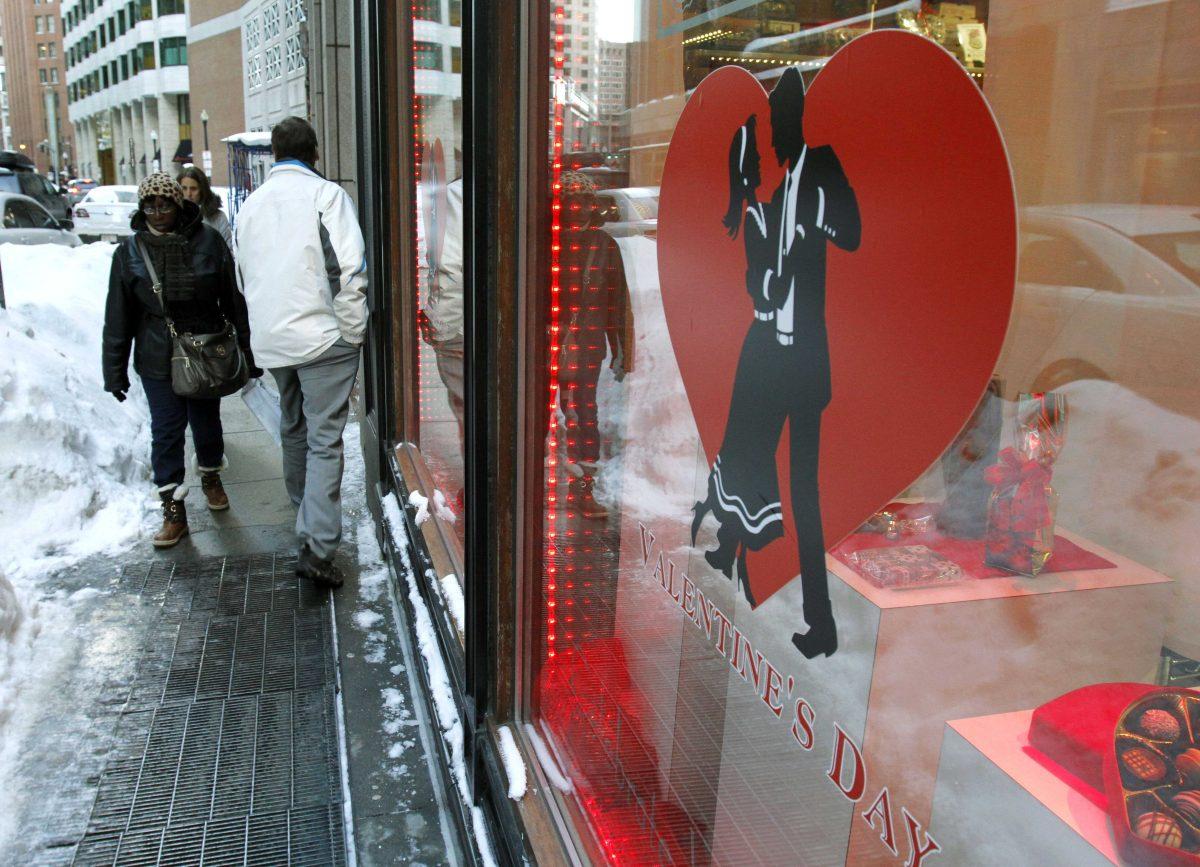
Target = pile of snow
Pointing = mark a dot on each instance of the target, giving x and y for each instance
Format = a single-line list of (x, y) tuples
[(74, 469)]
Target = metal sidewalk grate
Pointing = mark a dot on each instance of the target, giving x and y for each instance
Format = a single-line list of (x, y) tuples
[(226, 749)]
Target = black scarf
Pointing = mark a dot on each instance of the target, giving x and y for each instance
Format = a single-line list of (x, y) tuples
[(192, 311)]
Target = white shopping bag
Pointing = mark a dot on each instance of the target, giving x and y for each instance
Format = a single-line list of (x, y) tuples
[(263, 400)]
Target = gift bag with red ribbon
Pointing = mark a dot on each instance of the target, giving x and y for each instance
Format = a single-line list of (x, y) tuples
[(1020, 528)]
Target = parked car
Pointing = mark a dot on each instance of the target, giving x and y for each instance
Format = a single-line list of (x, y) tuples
[(1108, 292), (105, 212), (77, 188), (25, 221), (28, 182)]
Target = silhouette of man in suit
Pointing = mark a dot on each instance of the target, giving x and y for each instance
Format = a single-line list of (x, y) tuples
[(813, 207)]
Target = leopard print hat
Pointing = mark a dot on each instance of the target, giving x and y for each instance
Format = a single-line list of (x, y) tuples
[(160, 184)]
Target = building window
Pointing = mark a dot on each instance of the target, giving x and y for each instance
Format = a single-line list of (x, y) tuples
[(253, 33), (271, 21), (183, 108), (295, 56), (104, 77), (455, 59), (103, 36), (294, 14), (254, 72), (173, 51), (39, 24), (42, 76), (51, 27), (170, 7), (146, 51), (274, 63), (43, 51), (54, 75), (121, 22), (145, 10), (427, 55), (124, 67), (53, 50), (112, 29)]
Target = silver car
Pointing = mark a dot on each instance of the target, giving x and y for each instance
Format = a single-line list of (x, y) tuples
[(1112, 293), (105, 212), (27, 222)]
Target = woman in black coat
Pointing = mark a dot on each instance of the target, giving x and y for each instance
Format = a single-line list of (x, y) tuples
[(200, 291)]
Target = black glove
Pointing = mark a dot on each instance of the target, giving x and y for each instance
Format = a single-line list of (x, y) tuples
[(119, 394)]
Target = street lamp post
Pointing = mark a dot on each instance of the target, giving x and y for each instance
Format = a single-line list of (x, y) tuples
[(206, 156)]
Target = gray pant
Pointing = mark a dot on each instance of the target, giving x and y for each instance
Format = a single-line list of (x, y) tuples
[(449, 354), (314, 401)]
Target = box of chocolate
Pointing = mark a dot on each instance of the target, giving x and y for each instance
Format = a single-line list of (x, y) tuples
[(1152, 780)]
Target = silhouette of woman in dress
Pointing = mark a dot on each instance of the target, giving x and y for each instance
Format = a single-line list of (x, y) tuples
[(743, 486)]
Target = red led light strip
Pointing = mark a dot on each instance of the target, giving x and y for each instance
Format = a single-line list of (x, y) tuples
[(418, 158), (555, 307)]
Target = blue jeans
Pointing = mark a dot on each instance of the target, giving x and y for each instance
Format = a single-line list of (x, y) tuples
[(170, 416)]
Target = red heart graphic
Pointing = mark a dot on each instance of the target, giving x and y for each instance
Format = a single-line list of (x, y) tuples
[(916, 314)]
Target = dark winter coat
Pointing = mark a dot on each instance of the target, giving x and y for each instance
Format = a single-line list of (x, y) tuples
[(199, 287)]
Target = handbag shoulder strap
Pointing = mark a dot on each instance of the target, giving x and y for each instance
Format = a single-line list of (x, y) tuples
[(155, 284)]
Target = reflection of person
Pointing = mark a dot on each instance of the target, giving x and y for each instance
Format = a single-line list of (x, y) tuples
[(598, 321), (301, 259), (199, 291), (444, 306), (786, 377), (196, 188)]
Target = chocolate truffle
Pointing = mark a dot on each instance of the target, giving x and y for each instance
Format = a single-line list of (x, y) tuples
[(1188, 765), (1159, 724), (1187, 804), (1159, 828), (1144, 764)]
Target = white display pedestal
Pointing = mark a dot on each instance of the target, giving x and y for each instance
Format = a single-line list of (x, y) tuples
[(997, 804), (990, 646)]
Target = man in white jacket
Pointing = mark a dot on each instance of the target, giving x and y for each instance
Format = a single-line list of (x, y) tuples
[(302, 267)]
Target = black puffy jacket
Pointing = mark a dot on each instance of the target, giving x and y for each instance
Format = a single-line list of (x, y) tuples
[(133, 316)]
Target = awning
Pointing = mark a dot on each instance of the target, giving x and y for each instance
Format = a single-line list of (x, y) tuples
[(183, 153)]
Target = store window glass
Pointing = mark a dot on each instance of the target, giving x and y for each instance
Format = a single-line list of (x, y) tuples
[(701, 710), (437, 296)]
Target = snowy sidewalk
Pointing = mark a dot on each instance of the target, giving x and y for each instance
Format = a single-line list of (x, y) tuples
[(191, 713)]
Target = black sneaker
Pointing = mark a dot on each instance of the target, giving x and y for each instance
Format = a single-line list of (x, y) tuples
[(312, 567)]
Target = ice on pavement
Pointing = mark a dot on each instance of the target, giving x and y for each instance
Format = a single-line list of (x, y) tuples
[(439, 682)]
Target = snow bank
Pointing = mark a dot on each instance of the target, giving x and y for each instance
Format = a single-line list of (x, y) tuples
[(74, 473)]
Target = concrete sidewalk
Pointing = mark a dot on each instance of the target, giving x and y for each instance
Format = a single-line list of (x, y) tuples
[(215, 709)]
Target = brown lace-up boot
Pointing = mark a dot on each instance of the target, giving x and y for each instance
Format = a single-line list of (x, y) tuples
[(583, 500), (214, 492), (174, 525)]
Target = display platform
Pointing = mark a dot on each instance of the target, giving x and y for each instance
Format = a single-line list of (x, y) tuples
[(1000, 802), (985, 646)]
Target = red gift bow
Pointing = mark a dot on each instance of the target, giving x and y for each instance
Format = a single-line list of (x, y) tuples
[(1030, 506)]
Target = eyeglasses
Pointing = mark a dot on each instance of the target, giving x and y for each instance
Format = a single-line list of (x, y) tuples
[(151, 210)]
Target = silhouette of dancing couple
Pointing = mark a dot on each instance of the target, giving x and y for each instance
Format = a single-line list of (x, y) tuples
[(783, 369)]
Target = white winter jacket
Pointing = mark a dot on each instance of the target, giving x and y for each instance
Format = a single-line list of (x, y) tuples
[(301, 265)]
